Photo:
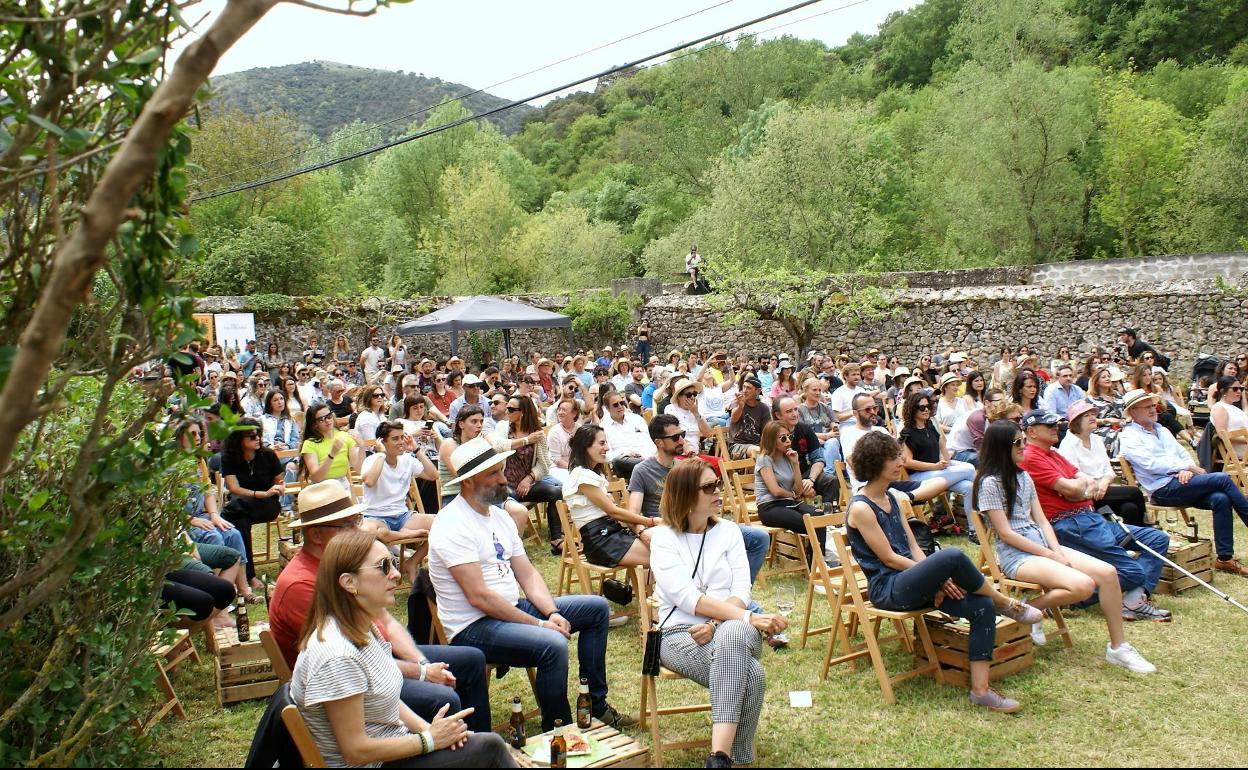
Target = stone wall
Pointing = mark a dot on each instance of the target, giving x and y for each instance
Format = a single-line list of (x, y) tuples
[(1044, 306)]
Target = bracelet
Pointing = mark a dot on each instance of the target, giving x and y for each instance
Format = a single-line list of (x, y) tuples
[(426, 741), (424, 671), (745, 617), (329, 457)]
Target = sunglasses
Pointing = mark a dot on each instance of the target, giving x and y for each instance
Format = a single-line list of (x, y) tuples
[(514, 409), (675, 436), (326, 417), (1020, 442), (924, 408), (252, 435), (384, 566), (1236, 389), (784, 437), (710, 487)]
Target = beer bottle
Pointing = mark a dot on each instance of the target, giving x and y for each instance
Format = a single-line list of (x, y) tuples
[(558, 747), (244, 627), (583, 716), (516, 731), (1192, 532)]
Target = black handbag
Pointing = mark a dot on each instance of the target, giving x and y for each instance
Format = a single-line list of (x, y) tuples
[(654, 637), (617, 591)]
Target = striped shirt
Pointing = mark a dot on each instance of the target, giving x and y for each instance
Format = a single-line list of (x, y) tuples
[(334, 669)]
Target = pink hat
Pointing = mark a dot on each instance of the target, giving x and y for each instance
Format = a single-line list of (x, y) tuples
[(1075, 410)]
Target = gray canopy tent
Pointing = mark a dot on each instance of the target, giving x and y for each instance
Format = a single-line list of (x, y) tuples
[(477, 313)]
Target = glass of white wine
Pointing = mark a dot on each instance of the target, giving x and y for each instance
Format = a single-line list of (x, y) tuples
[(786, 600)]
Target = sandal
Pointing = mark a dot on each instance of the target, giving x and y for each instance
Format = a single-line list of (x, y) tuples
[(556, 547)]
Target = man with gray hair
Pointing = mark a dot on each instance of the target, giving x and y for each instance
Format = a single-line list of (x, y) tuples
[(339, 402)]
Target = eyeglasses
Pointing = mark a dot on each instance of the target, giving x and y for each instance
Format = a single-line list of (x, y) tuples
[(384, 566), (614, 404), (1020, 442), (378, 395), (710, 487)]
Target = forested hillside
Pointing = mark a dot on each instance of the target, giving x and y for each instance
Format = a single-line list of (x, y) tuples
[(963, 133), (323, 96)]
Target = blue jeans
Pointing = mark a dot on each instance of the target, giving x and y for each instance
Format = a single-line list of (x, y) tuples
[(967, 456), (1089, 533), (832, 452), (757, 543), (719, 421), (914, 587), (1214, 492), (471, 687), (519, 644), (959, 475), (231, 538)]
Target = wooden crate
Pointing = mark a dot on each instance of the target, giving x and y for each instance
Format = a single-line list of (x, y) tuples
[(243, 668), (1013, 651), (1196, 558)]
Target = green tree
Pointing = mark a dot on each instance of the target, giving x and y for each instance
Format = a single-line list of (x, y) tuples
[(999, 172), (912, 41), (265, 257), (1000, 34), (233, 147), (562, 250), (474, 235), (1216, 204), (1145, 144)]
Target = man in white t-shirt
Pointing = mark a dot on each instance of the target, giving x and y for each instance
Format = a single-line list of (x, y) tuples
[(478, 567), (370, 359), (843, 397)]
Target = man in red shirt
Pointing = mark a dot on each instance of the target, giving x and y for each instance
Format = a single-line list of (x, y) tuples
[(428, 684), (1066, 498)]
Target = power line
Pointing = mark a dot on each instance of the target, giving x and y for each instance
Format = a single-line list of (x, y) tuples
[(469, 94), (510, 105)]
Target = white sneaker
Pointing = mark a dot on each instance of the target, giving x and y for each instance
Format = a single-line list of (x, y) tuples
[(617, 620), (1037, 635), (1130, 659), (819, 589)]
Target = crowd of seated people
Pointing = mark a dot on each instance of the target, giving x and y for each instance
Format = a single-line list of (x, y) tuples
[(1029, 446)]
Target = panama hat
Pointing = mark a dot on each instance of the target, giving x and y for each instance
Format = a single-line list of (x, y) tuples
[(476, 456), (948, 378), (909, 380), (1136, 397), (322, 503)]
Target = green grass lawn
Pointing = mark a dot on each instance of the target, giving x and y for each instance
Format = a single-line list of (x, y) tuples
[(1078, 710)]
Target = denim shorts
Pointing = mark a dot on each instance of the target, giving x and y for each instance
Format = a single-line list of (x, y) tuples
[(395, 522), (1011, 558)]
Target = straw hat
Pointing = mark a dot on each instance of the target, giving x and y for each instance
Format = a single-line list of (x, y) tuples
[(900, 371), (947, 378), (322, 503), (474, 457), (1136, 397), (685, 385), (906, 384)]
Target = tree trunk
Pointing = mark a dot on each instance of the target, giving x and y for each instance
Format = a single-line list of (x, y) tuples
[(78, 259)]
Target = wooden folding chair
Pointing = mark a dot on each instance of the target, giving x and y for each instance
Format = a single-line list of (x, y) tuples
[(1156, 511), (829, 578), (734, 508), (574, 568), (1224, 455), (276, 659), (786, 545), (843, 484), (1011, 585), (302, 737), (166, 657), (720, 436), (651, 711), (439, 634), (869, 617)]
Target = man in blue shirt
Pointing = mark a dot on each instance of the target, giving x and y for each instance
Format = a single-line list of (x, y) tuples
[(249, 359), (1171, 477), (607, 358), (1062, 393)]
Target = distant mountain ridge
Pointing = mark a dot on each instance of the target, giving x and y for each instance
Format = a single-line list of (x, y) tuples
[(323, 96)]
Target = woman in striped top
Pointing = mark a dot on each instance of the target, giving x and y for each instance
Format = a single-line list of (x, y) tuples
[(346, 683)]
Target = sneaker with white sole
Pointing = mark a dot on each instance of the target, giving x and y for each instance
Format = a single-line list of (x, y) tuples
[(994, 701), (1037, 635), (1146, 610), (617, 620), (1129, 658)]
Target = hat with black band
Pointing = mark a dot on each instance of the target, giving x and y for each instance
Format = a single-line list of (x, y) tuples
[(474, 457), (324, 502)]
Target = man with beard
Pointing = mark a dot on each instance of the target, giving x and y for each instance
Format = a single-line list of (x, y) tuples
[(478, 567)]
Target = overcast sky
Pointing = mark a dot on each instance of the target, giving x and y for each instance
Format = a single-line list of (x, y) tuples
[(480, 43)]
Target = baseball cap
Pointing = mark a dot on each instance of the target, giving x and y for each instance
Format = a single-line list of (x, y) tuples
[(1040, 417)]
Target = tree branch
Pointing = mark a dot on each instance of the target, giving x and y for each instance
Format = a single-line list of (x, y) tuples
[(328, 9), (76, 260)]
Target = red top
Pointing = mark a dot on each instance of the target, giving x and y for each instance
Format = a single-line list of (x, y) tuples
[(1046, 467), (291, 603)]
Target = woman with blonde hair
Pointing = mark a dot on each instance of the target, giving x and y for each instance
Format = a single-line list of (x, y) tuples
[(346, 683), (342, 350)]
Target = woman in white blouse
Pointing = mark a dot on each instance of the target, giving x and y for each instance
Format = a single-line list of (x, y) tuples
[(1085, 450), (612, 536), (713, 398), (702, 581)]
